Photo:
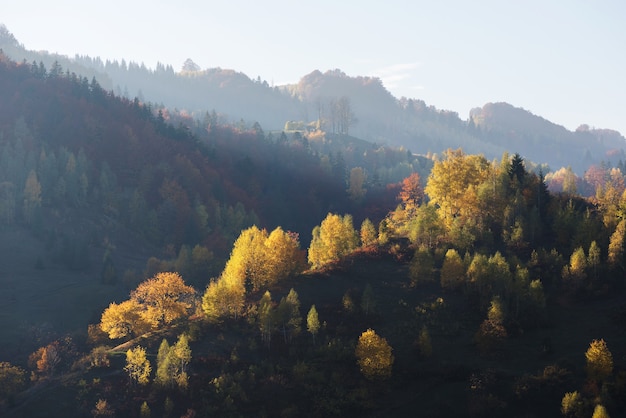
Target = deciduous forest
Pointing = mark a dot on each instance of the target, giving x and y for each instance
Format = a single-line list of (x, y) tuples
[(159, 262)]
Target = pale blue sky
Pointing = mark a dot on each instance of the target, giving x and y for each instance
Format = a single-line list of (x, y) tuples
[(562, 60)]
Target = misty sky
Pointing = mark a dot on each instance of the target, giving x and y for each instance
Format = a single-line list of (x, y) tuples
[(562, 60)]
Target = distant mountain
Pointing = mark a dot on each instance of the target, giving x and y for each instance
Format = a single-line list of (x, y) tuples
[(540, 140), (374, 114)]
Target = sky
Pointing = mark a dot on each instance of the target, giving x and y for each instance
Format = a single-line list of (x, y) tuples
[(562, 60)]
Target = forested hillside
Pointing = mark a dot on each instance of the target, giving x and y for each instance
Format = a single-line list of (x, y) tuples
[(111, 188), (167, 262)]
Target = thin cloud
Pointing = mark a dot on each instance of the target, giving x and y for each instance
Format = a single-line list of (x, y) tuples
[(393, 75)]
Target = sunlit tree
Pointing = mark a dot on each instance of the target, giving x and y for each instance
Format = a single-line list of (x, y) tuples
[(164, 298), (123, 320), (452, 270), (452, 184), (368, 233), (137, 366), (333, 239), (313, 322), (374, 356), (599, 360)]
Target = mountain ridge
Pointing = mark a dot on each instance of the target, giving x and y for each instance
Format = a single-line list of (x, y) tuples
[(373, 113)]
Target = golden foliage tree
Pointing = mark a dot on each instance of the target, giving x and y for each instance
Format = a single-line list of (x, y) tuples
[(600, 412), (599, 360), (575, 273), (374, 356), (223, 298), (616, 246), (164, 298), (368, 233), (572, 404), (333, 239), (259, 259), (123, 320), (452, 270), (137, 366), (452, 184), (313, 322)]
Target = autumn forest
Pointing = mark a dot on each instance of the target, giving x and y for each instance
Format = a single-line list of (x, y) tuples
[(176, 263)]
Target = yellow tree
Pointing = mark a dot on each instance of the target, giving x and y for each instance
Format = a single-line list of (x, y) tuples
[(137, 365), (313, 322), (600, 412), (246, 262), (259, 259), (616, 246), (123, 320), (333, 239), (281, 255), (368, 233), (223, 298), (599, 360), (575, 272), (374, 356), (165, 298), (453, 182), (452, 270)]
